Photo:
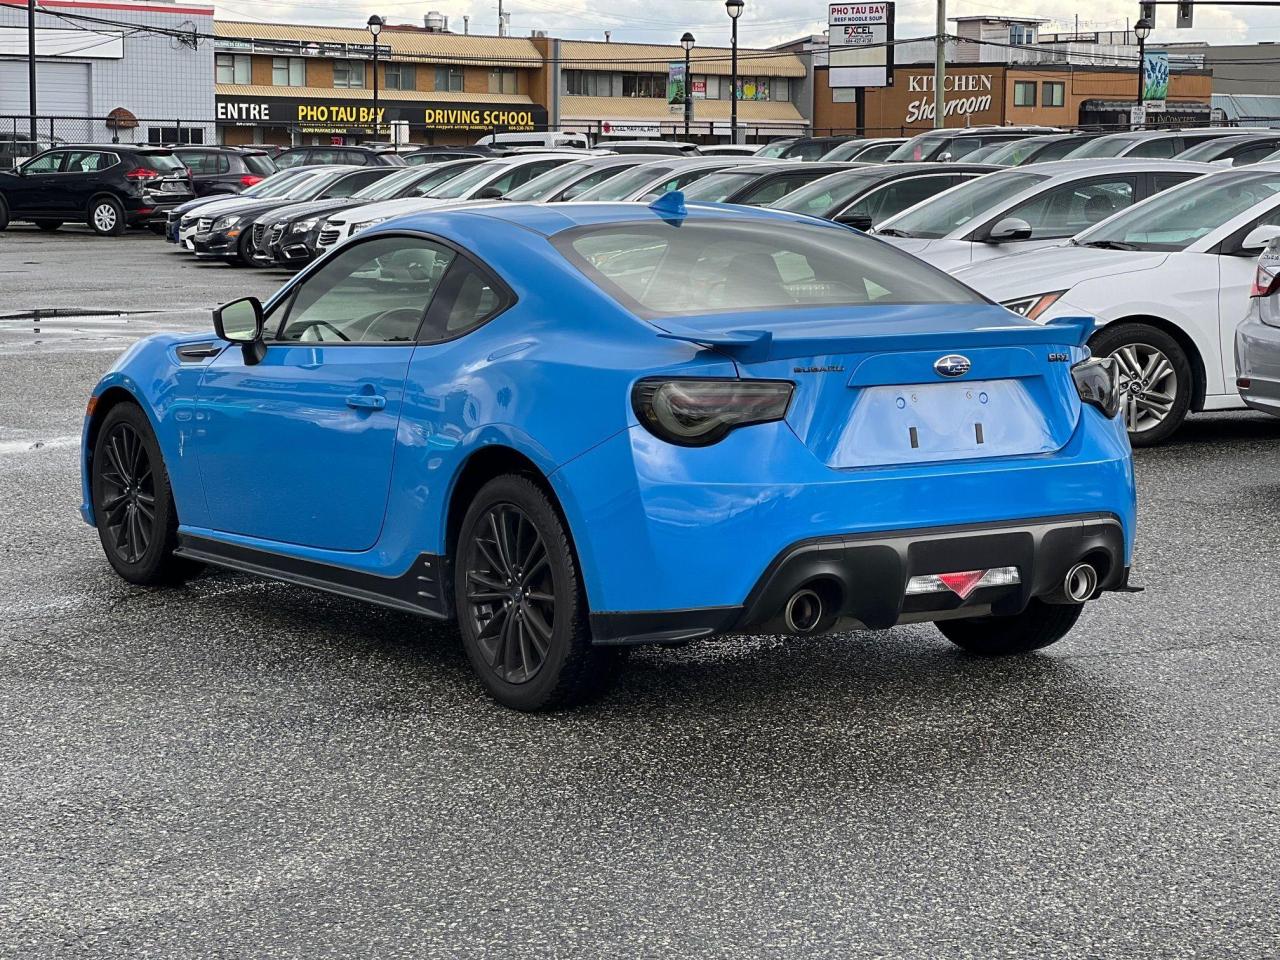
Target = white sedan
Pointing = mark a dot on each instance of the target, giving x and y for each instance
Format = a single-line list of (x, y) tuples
[(1026, 208), (1169, 279)]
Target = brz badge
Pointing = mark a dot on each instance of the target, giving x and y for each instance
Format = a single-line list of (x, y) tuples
[(952, 365)]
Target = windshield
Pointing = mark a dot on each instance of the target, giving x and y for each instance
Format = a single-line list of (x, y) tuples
[(723, 266), (953, 209), (274, 186), (548, 183), (428, 184), (1177, 218), (918, 148), (388, 187), (775, 149), (622, 187), (1211, 149), (260, 164), (462, 184), (820, 198), (1010, 154), (305, 187), (1102, 147), (715, 188), (164, 162)]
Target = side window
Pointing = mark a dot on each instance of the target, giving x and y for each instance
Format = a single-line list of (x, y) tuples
[(467, 299), (774, 190), (84, 161), (316, 157), (1253, 153), (374, 292), (879, 205), (1162, 147), (1067, 210), (222, 163), (519, 176), (1163, 181), (354, 157), (197, 161), (590, 180), (351, 183), (45, 163), (287, 160)]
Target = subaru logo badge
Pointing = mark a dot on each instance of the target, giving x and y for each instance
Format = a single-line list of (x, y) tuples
[(952, 365)]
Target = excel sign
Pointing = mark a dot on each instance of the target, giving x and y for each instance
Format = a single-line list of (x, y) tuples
[(860, 44)]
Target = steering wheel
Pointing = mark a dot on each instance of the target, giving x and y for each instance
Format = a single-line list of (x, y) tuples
[(311, 325), (410, 314)]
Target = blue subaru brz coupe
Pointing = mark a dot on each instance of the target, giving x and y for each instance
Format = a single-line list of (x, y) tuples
[(582, 426)]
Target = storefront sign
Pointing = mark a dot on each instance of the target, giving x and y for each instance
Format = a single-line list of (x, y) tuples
[(860, 44), (345, 116), (620, 128), (966, 95)]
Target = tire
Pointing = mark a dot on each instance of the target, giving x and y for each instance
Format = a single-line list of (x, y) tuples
[(245, 249), (133, 502), (1154, 411), (1038, 626), (159, 229), (524, 661), (49, 226), (106, 217), (4, 214)]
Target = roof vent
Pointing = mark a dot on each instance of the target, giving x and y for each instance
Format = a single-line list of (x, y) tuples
[(436, 22)]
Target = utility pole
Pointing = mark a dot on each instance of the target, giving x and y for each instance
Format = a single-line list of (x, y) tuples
[(502, 21), (31, 68), (940, 67)]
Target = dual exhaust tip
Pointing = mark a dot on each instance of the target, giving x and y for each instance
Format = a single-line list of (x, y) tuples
[(805, 610)]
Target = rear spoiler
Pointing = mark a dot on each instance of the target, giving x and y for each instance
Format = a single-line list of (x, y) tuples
[(751, 346)]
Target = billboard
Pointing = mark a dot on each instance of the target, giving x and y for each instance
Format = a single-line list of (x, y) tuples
[(1155, 79), (860, 44)]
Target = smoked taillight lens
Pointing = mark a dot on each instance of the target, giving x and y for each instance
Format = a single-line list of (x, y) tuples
[(700, 412), (1098, 383)]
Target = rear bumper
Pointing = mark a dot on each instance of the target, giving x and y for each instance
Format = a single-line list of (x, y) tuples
[(864, 578), (1258, 364)]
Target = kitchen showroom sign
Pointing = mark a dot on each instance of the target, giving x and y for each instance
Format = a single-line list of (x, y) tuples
[(967, 94)]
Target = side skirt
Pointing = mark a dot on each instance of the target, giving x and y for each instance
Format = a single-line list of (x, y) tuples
[(420, 590)]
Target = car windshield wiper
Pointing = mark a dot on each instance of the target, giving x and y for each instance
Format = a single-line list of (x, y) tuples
[(894, 232), (1109, 245)]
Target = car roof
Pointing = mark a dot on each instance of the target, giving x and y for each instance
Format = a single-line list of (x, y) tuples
[(131, 147), (1093, 166)]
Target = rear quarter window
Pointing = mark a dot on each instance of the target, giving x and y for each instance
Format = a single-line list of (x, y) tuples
[(732, 266)]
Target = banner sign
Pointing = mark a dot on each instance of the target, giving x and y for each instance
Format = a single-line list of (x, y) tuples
[(1155, 79), (753, 88), (355, 116), (860, 44)]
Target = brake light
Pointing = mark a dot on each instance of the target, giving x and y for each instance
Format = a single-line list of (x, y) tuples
[(139, 174), (1098, 383), (700, 412), (249, 179), (1266, 280)]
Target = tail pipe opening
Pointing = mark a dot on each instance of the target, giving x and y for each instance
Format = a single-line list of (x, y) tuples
[(1079, 585), (804, 611)]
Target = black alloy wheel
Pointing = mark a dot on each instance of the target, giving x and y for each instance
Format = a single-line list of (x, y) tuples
[(522, 607), (510, 594), (127, 493)]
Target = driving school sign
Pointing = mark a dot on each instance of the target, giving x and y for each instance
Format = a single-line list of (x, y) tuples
[(860, 44), (345, 116)]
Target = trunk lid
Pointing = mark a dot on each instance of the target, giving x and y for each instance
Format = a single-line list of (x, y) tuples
[(916, 384)]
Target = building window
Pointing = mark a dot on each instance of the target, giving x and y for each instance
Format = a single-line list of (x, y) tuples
[(232, 68), (401, 76), (711, 88), (157, 136), (593, 83), (449, 78), (348, 73), (288, 71), (779, 89), (1021, 33), (644, 85), (1024, 93), (502, 80), (1053, 94)]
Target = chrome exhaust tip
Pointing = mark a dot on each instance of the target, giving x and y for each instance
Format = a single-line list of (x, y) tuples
[(1080, 583), (803, 612)]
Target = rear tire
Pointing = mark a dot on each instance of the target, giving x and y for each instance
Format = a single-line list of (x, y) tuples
[(4, 214), (106, 217), (133, 503), (49, 226), (522, 609), (1036, 627), (1156, 381)]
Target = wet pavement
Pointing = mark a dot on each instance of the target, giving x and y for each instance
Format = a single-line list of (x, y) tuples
[(247, 769)]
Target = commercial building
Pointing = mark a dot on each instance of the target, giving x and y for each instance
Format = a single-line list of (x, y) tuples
[(145, 65)]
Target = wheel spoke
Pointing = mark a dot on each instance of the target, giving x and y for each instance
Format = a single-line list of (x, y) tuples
[(504, 558), (148, 514), (487, 581), (540, 597), (117, 464), (540, 631), (523, 646), (493, 562)]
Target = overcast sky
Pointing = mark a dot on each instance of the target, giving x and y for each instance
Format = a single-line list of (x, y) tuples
[(764, 22)]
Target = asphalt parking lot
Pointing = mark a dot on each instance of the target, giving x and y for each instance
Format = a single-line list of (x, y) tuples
[(248, 769)]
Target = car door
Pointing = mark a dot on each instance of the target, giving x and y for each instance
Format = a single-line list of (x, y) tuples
[(39, 180), (299, 448)]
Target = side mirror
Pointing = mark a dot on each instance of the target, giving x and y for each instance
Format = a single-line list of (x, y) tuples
[(944, 157), (240, 321), (1259, 237), (488, 193), (1008, 230), (859, 221)]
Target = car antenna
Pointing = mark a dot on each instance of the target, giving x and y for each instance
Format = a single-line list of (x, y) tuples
[(670, 206)]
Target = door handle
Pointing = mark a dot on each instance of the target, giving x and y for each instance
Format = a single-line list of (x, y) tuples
[(366, 401)]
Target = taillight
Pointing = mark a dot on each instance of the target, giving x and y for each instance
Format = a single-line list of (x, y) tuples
[(249, 179), (1098, 383), (1266, 279), (138, 174), (698, 413)]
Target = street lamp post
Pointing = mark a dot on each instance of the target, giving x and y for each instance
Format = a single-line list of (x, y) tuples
[(687, 42), (375, 28), (734, 8), (1142, 30)]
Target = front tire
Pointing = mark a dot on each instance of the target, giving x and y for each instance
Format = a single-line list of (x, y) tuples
[(133, 502), (4, 214), (49, 226), (522, 608), (1155, 379), (106, 217), (246, 251), (1036, 627)]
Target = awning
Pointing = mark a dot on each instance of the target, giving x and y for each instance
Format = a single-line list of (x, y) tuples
[(1171, 106), (1252, 109)]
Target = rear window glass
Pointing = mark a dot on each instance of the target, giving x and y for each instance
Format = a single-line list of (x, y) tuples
[(659, 269), (260, 164), (164, 162)]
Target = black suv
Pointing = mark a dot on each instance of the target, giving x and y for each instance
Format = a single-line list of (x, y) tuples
[(351, 156), (225, 170), (109, 187)]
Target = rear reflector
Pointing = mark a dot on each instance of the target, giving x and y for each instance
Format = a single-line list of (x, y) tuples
[(1243, 383), (963, 582)]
